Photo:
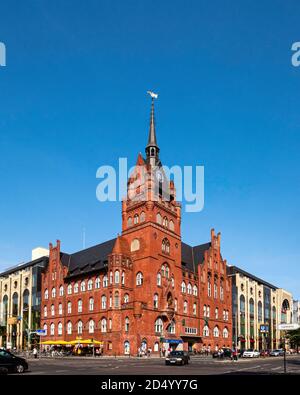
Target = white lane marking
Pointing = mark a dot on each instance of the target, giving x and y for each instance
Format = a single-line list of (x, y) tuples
[(253, 367), (279, 367)]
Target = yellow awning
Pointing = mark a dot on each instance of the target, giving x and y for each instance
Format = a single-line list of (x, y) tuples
[(87, 341)]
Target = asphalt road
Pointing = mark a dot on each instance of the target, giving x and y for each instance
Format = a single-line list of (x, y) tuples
[(156, 366)]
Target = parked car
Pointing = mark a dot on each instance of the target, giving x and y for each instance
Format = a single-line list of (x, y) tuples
[(12, 363), (177, 358), (277, 353), (251, 353)]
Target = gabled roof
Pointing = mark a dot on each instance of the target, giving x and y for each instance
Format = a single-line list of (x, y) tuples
[(191, 257)]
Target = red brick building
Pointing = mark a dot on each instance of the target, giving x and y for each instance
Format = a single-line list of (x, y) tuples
[(146, 288)]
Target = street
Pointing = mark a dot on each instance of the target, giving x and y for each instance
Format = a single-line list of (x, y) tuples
[(156, 366)]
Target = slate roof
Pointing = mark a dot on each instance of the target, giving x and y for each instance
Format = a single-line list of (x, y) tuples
[(191, 257), (234, 269), (44, 260)]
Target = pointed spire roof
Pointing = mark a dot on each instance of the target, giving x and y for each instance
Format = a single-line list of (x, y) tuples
[(152, 133), (121, 246)]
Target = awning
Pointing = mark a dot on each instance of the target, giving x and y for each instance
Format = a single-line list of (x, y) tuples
[(87, 341)]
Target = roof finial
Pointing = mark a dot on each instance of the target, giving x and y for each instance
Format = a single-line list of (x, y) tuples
[(152, 149)]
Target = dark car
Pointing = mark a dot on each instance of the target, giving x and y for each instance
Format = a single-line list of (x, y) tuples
[(227, 353), (177, 358), (12, 363)]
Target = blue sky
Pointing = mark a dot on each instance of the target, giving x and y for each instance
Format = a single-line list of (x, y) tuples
[(72, 98)]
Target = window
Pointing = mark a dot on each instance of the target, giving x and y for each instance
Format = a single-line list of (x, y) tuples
[(117, 299), (172, 281), (69, 328), (195, 308), (126, 298), (97, 283), (142, 216), (52, 310), (91, 304), (69, 307), (103, 302), (208, 311), (171, 327), (45, 328), (110, 300), (53, 292), (158, 326), (175, 304), (216, 313), (216, 331), (136, 219), (227, 315), (215, 290), (155, 301), (117, 277), (59, 329), (110, 277), (61, 291), (208, 288), (90, 285), (259, 311), (139, 278), (205, 331), (183, 287), (221, 291), (123, 278), (165, 222), (158, 218), (79, 327), (165, 246), (52, 329), (126, 347), (171, 225), (158, 279), (195, 290), (110, 324), (129, 222), (45, 311), (185, 307), (225, 333), (126, 324), (105, 281), (76, 288), (103, 325), (189, 288), (91, 326), (69, 289), (79, 306), (60, 310), (135, 245), (204, 311)]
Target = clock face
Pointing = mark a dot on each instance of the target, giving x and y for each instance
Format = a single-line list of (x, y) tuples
[(159, 176)]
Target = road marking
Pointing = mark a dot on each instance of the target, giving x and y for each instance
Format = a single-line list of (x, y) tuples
[(279, 367)]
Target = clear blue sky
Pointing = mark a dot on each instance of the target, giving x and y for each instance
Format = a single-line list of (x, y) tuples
[(72, 98)]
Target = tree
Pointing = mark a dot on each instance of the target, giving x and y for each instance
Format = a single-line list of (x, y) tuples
[(294, 337)]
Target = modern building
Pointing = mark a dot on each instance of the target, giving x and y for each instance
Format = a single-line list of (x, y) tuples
[(20, 296), (257, 309), (145, 288), (296, 312)]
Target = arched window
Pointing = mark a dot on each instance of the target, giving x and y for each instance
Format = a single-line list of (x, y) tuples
[(175, 304), (45, 327), (52, 329), (69, 307), (69, 328), (45, 311), (53, 292), (76, 288), (61, 291), (158, 279), (123, 278), (52, 310), (97, 283), (259, 311), (60, 310), (195, 290), (136, 219), (162, 270), (103, 302), (216, 331), (110, 324), (156, 347), (165, 222), (158, 326), (91, 304), (205, 331), (90, 285), (91, 326), (155, 301), (103, 325), (105, 281), (117, 277), (110, 277), (183, 287), (126, 324), (69, 289), (142, 216), (79, 306), (79, 327), (208, 311), (139, 278), (208, 285), (225, 333), (117, 299), (172, 281), (59, 329), (185, 307), (110, 300), (171, 225), (216, 313), (221, 290), (189, 288), (129, 222), (126, 298), (167, 271), (158, 218), (135, 245), (171, 327), (195, 308), (215, 290), (126, 347)]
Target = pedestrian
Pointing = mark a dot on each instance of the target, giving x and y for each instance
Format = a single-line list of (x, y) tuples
[(34, 352)]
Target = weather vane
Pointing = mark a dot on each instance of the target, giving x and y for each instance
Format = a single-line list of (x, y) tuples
[(152, 94)]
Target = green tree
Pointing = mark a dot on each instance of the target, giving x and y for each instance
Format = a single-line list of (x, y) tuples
[(294, 337)]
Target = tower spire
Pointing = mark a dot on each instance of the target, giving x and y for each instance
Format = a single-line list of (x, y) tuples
[(152, 148)]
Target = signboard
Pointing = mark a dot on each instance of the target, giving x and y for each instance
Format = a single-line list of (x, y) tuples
[(175, 341), (40, 332), (264, 328), (288, 327)]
